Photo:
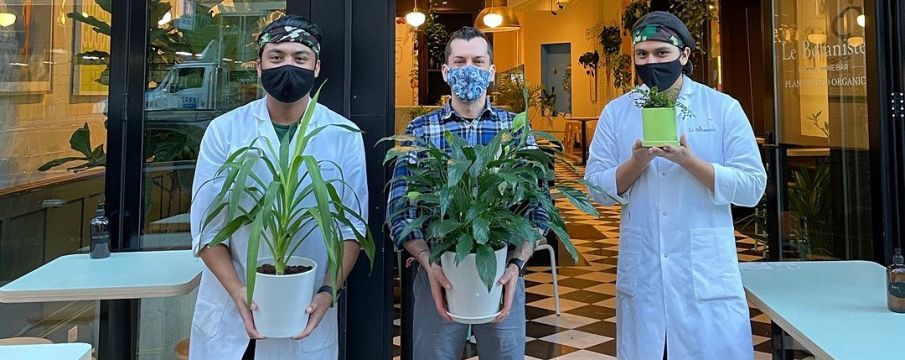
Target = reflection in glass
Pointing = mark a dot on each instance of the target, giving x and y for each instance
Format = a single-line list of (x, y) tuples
[(53, 90), (202, 65), (822, 128)]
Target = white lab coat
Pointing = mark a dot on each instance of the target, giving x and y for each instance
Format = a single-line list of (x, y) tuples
[(217, 330), (678, 277)]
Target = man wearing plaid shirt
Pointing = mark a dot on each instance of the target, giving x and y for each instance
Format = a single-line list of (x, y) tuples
[(469, 115)]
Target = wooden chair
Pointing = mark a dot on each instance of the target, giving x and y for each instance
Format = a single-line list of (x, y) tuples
[(182, 349)]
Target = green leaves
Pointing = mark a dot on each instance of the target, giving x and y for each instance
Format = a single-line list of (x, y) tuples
[(480, 228), (80, 141), (485, 260), (473, 198)]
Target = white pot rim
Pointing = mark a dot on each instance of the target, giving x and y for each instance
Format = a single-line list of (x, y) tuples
[(306, 262)]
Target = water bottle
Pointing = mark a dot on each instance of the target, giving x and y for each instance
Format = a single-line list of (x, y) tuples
[(100, 234)]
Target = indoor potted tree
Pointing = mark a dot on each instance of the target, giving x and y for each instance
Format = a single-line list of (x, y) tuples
[(658, 116), (274, 205), (471, 202)]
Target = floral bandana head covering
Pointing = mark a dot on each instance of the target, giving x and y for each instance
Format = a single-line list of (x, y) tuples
[(665, 27), (654, 32), (290, 34), (468, 82), (662, 26)]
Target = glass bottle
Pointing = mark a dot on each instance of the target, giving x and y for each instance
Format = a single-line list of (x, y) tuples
[(896, 283), (100, 234)]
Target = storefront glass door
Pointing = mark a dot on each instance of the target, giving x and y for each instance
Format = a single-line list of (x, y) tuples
[(821, 144)]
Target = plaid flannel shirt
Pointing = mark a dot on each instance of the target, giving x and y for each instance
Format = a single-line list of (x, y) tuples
[(432, 127)]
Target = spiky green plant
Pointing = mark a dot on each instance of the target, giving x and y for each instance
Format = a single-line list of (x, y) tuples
[(473, 199), (278, 215)]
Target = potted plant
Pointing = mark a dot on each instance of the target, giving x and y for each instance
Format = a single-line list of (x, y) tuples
[(471, 203), (273, 204), (658, 116)]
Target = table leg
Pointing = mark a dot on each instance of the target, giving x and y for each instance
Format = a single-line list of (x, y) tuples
[(584, 143), (118, 329), (780, 352)]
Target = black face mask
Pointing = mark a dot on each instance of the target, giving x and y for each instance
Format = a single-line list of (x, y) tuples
[(287, 83), (660, 75)]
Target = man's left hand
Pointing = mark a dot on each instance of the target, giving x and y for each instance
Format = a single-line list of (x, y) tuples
[(509, 280), (681, 155), (316, 310)]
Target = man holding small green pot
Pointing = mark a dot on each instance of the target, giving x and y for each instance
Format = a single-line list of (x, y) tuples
[(679, 290)]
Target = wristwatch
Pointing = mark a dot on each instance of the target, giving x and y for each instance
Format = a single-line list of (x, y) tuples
[(519, 264), (329, 290)]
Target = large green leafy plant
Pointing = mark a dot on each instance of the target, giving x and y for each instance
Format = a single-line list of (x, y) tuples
[(473, 199), (277, 214)]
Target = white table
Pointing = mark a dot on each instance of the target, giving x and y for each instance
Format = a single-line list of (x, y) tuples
[(834, 309), (124, 275), (67, 351)]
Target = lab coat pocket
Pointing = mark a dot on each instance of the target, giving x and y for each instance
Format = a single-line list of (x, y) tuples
[(210, 309), (714, 268), (627, 268)]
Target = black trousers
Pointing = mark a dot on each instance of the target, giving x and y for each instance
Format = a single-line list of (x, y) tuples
[(249, 351)]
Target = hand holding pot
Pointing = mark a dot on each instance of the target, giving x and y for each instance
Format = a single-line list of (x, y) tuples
[(439, 283), (316, 310), (509, 280), (641, 154), (241, 300), (680, 155)]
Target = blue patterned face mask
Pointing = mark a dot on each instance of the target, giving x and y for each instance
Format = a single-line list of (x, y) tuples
[(468, 82)]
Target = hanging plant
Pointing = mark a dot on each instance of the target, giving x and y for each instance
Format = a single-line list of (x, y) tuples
[(622, 72), (610, 39), (634, 11), (437, 36), (696, 14), (590, 61)]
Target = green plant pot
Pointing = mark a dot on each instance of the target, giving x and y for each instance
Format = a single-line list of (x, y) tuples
[(659, 125)]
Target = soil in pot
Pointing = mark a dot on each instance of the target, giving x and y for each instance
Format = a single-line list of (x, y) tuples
[(290, 269)]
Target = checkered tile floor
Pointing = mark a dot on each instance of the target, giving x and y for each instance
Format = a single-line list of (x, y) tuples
[(586, 328)]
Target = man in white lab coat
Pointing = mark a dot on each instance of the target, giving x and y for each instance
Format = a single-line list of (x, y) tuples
[(223, 326), (679, 290)]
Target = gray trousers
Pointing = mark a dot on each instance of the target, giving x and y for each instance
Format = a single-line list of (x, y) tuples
[(438, 339)]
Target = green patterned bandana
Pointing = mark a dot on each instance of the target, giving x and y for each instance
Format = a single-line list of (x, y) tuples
[(653, 32), (290, 34)]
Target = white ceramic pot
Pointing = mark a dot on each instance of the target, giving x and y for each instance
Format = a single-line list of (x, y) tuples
[(282, 299), (469, 301)]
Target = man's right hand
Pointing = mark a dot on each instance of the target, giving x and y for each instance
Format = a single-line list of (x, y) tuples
[(439, 284), (240, 298), (641, 155)]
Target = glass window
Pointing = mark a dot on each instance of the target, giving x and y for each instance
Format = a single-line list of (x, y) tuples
[(822, 126), (53, 91), (202, 65)]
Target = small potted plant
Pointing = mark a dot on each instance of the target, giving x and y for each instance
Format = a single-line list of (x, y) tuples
[(658, 116), (278, 191), (471, 203)]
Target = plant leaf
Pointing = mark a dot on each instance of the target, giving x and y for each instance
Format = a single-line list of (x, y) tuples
[(480, 227), (464, 246), (579, 199), (57, 162), (81, 141), (486, 263)]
